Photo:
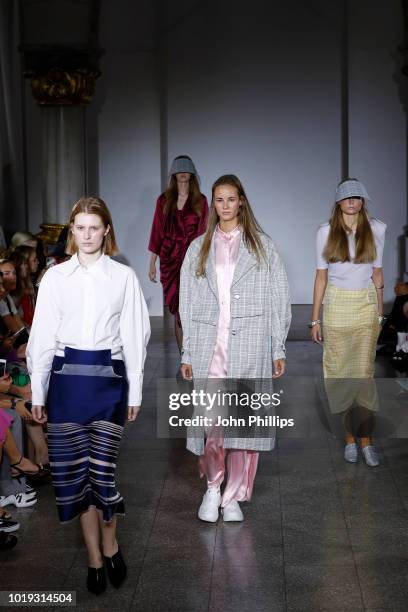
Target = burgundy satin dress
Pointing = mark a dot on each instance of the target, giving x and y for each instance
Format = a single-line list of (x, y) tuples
[(170, 238)]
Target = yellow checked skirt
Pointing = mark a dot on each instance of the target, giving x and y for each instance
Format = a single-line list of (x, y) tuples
[(350, 332)]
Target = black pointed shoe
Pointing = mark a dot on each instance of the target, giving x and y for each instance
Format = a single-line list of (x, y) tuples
[(116, 568), (96, 581)]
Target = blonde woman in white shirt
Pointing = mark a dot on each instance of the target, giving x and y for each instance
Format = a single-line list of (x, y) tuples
[(349, 276), (85, 354)]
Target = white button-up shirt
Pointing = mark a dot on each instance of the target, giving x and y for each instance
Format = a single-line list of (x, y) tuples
[(94, 308)]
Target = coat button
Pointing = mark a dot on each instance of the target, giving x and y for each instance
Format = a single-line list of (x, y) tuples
[(236, 296), (233, 332)]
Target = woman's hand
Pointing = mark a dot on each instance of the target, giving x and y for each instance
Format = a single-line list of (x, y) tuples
[(23, 412), (5, 383), (186, 371), (39, 414), (133, 411), (316, 333), (279, 367), (152, 272)]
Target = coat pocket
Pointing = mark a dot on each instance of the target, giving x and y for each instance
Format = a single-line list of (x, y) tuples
[(201, 313), (245, 309)]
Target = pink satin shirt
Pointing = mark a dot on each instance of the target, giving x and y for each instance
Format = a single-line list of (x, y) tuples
[(226, 254)]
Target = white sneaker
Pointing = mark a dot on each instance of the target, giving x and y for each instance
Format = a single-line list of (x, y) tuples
[(371, 456), (351, 453), (208, 510), (19, 500), (232, 512)]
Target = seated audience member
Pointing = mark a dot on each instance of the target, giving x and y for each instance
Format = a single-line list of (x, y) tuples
[(23, 238), (396, 326), (30, 255), (26, 264), (16, 409), (7, 525), (398, 319), (22, 403), (8, 311), (10, 321), (14, 489)]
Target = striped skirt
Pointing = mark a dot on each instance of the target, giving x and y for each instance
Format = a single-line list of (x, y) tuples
[(350, 332), (87, 404)]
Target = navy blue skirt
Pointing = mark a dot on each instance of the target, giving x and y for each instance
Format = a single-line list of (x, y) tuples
[(87, 407)]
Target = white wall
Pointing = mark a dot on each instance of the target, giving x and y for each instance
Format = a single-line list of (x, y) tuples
[(377, 119), (255, 96), (124, 132), (257, 93)]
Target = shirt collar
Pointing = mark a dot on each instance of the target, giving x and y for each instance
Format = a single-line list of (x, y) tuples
[(228, 236), (103, 264)]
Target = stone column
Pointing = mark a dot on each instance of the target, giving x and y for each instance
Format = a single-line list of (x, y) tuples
[(63, 161), (63, 96)]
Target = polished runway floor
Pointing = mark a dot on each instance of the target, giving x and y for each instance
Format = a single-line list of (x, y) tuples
[(319, 534)]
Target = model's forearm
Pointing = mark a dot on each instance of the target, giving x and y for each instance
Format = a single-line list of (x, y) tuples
[(318, 292), (378, 280)]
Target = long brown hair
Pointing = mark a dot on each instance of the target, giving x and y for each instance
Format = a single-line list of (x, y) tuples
[(93, 206), (251, 229), (337, 247), (25, 285), (171, 193)]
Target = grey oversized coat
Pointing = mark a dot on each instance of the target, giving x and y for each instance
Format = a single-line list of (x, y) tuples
[(260, 320)]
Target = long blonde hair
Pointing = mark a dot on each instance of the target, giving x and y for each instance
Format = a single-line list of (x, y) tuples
[(251, 229), (337, 246)]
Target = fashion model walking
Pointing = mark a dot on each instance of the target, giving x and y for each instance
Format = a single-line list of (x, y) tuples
[(85, 354), (181, 215), (235, 312), (349, 277)]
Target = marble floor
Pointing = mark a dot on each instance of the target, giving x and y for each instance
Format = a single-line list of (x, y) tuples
[(319, 535)]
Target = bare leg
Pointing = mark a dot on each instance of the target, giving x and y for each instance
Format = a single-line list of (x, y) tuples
[(14, 455), (37, 437), (92, 538), (178, 330), (109, 543), (348, 438)]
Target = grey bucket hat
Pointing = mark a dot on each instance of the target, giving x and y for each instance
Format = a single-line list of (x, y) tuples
[(183, 164), (351, 188)]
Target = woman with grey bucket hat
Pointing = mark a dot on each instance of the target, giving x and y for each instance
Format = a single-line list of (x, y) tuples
[(349, 277), (180, 217)]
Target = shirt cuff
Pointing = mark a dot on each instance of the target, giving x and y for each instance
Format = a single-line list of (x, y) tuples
[(135, 380), (278, 352), (39, 387), (185, 356)]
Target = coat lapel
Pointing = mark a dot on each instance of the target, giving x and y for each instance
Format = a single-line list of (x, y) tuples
[(245, 262)]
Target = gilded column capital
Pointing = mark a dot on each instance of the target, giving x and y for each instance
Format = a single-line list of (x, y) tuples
[(62, 87)]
